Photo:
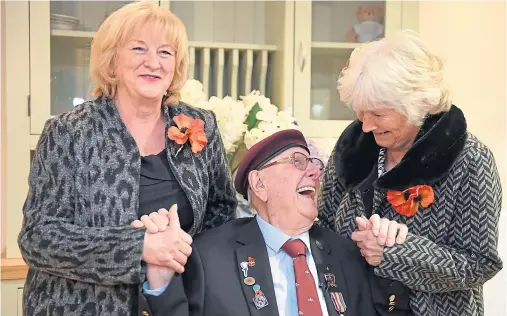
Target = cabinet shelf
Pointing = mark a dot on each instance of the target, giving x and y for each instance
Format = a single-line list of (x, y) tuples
[(83, 38), (333, 48), (334, 45)]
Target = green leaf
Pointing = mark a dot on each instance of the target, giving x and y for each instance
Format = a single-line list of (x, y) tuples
[(251, 119)]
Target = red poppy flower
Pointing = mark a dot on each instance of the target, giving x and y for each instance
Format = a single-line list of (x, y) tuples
[(188, 128), (407, 202)]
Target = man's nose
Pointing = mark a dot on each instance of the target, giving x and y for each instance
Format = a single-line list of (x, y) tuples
[(313, 171)]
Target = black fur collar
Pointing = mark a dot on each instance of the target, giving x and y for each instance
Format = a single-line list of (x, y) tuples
[(440, 141)]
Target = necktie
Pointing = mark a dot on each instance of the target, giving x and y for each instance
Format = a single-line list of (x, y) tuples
[(306, 291)]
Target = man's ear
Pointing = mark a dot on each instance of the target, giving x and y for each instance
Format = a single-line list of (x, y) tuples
[(257, 185)]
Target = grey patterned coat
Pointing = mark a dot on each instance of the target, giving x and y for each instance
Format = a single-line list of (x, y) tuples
[(451, 249), (83, 257)]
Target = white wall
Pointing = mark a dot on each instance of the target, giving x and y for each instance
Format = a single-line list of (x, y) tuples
[(471, 38)]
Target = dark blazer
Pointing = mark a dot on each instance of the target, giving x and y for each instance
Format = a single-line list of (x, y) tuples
[(452, 246), (213, 279), (83, 257)]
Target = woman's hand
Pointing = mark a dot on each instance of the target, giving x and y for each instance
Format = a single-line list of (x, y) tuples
[(168, 246), (375, 234), (155, 222), (387, 232)]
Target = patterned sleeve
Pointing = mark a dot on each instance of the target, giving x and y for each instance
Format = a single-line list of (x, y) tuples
[(472, 258), (221, 206), (50, 241), (330, 195)]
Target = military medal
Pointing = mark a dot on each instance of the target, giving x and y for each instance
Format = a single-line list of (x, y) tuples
[(338, 302), (330, 279)]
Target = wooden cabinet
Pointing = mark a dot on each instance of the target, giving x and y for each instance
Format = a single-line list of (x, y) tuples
[(12, 297), (291, 51), (321, 51)]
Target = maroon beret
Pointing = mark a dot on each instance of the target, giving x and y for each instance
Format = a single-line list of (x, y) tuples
[(265, 150)]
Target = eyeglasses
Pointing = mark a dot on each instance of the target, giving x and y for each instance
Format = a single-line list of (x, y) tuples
[(298, 160)]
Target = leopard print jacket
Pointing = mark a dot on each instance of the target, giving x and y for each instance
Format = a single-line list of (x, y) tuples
[(83, 257)]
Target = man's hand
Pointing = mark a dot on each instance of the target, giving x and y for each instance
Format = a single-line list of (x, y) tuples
[(169, 247), (370, 249), (158, 276), (374, 234)]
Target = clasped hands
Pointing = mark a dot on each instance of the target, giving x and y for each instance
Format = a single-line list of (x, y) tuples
[(166, 245), (375, 234)]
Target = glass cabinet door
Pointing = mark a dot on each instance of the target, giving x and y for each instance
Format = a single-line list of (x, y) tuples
[(326, 34), (60, 38)]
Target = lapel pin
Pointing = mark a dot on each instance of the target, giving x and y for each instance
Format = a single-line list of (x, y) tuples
[(338, 302), (392, 303), (319, 244), (330, 279), (257, 290), (251, 261), (244, 268), (260, 301), (249, 281)]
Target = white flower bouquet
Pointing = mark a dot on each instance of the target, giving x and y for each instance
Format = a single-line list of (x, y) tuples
[(242, 123)]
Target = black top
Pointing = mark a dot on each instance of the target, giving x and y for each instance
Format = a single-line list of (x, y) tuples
[(387, 287), (158, 188)]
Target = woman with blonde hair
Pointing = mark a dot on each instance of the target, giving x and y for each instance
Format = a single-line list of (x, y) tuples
[(130, 154), (409, 159)]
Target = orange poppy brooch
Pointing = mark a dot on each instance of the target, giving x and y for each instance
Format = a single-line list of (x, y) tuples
[(188, 129), (407, 202)]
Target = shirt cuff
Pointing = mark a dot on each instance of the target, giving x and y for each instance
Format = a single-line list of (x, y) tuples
[(155, 292)]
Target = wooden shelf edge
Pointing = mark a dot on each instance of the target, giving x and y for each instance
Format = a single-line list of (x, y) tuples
[(88, 36), (335, 45), (14, 269)]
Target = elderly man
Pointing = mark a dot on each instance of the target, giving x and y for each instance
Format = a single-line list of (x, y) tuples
[(277, 263)]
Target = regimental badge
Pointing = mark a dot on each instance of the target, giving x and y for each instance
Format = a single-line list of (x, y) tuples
[(260, 301)]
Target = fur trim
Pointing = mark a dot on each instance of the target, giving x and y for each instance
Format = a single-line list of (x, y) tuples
[(438, 144)]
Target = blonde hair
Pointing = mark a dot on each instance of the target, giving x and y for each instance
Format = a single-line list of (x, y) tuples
[(396, 72), (116, 30)]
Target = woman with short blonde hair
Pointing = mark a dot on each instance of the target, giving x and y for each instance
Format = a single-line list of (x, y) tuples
[(115, 32), (125, 157), (409, 158)]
